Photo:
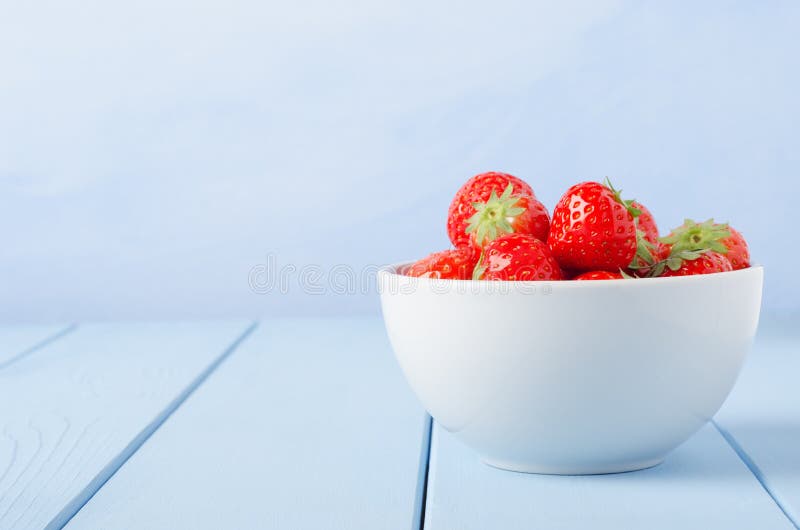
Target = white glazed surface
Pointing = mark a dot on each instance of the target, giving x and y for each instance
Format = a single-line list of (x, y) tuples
[(572, 377)]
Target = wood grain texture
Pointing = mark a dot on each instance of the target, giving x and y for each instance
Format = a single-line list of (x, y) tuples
[(75, 410), (762, 415), (17, 342), (702, 485), (310, 425)]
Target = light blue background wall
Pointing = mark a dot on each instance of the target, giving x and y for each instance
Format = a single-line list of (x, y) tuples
[(153, 153)]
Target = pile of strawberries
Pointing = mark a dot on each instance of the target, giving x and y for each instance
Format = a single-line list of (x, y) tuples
[(500, 231)]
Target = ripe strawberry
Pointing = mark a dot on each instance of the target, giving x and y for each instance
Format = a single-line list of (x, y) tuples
[(738, 253), (695, 248), (455, 264), (600, 275), (705, 263), (647, 252), (491, 204), (698, 236), (593, 228), (661, 252), (646, 223), (518, 257)]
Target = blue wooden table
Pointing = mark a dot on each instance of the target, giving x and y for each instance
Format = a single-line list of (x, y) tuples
[(308, 423)]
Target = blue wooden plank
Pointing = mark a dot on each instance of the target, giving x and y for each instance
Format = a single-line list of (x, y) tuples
[(309, 425), (761, 418), (79, 407), (17, 342), (702, 485)]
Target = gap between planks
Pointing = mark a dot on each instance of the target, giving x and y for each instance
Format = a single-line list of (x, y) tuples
[(757, 473), (74, 506), (39, 345), (421, 496)]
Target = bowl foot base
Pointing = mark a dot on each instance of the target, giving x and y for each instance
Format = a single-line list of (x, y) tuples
[(580, 469)]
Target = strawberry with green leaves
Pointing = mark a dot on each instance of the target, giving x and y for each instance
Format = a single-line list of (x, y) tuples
[(454, 264), (518, 257), (646, 223), (593, 228), (647, 243), (700, 248), (698, 236), (491, 204)]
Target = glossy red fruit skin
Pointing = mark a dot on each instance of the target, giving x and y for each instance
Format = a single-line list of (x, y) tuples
[(454, 264), (591, 230), (662, 251), (599, 275), (707, 263), (520, 257), (646, 223), (478, 189), (738, 253)]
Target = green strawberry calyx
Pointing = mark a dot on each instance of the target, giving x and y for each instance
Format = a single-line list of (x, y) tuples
[(491, 218), (645, 250), (698, 236), (690, 241), (674, 261), (627, 203)]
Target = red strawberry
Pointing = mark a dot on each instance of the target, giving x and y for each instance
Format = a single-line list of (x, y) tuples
[(695, 248), (646, 223), (593, 229), (455, 264), (720, 237), (738, 253), (661, 252), (491, 204), (706, 263), (709, 235), (599, 275), (647, 252), (698, 236), (518, 257)]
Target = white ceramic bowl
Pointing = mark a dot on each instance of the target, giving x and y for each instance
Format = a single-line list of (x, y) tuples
[(572, 377)]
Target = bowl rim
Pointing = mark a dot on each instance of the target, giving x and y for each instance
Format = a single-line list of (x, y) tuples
[(391, 271)]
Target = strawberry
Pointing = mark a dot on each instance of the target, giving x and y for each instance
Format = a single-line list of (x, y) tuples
[(593, 228), (518, 257), (646, 223), (455, 264), (600, 275), (696, 248), (695, 236), (661, 252), (647, 252), (738, 253), (491, 204), (720, 237), (705, 263)]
